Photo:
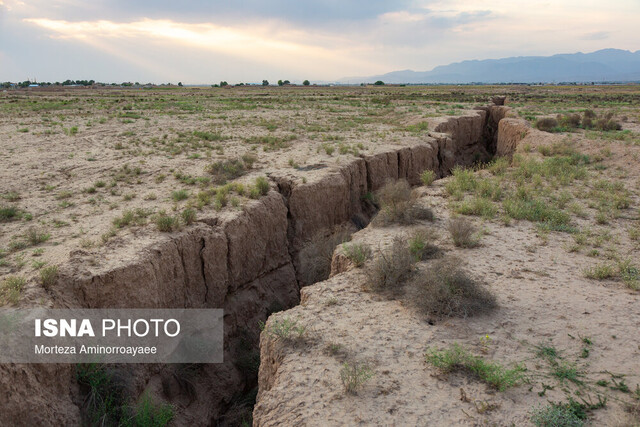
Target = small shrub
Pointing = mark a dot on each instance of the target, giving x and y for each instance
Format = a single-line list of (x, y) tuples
[(420, 244), (446, 290), (48, 276), (463, 233), (11, 288), (262, 184), (399, 206), (354, 375), (547, 124), (166, 223), (179, 195), (358, 253), (600, 272), (225, 170), (558, 415), (427, 177), (315, 257), (456, 358), (188, 216), (285, 329), (8, 213), (35, 236), (391, 269)]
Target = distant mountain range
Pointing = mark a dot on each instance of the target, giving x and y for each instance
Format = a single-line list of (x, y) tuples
[(607, 65)]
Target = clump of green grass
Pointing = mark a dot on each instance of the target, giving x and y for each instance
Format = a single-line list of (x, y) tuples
[(463, 233), (166, 223), (421, 246), (11, 289), (600, 272), (565, 371), (558, 415), (427, 177), (179, 195), (106, 393), (188, 216), (358, 253), (9, 213), (285, 329), (262, 185), (354, 375), (446, 290), (48, 276), (456, 358), (131, 217), (35, 236), (148, 413)]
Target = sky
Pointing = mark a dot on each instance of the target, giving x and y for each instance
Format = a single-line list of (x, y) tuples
[(205, 42)]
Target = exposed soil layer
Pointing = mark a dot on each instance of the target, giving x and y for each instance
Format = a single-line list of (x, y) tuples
[(247, 262)]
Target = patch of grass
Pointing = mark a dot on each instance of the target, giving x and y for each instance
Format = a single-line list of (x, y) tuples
[(446, 290), (149, 414), (536, 211), (262, 184), (427, 177), (166, 223), (131, 217), (354, 375), (565, 371), (600, 272), (358, 253), (11, 289), (9, 213), (188, 216), (48, 276), (285, 329), (559, 415), (456, 358), (421, 246), (35, 236), (390, 269), (463, 233), (106, 391), (179, 195), (478, 206)]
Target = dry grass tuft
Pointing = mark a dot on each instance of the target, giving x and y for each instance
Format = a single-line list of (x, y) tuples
[(463, 233), (446, 290), (391, 269), (398, 205)]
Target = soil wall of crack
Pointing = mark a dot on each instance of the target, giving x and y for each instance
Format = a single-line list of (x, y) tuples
[(250, 263)]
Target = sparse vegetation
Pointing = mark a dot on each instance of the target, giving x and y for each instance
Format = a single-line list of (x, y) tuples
[(456, 358), (446, 290), (463, 233), (11, 289), (358, 253), (398, 206), (48, 276), (390, 269), (354, 375)]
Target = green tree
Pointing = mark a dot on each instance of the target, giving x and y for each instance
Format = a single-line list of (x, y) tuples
[(379, 83), (280, 82), (180, 84), (306, 83), (223, 84), (265, 83)]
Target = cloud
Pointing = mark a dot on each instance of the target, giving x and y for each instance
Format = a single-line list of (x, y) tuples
[(598, 35), (267, 45)]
